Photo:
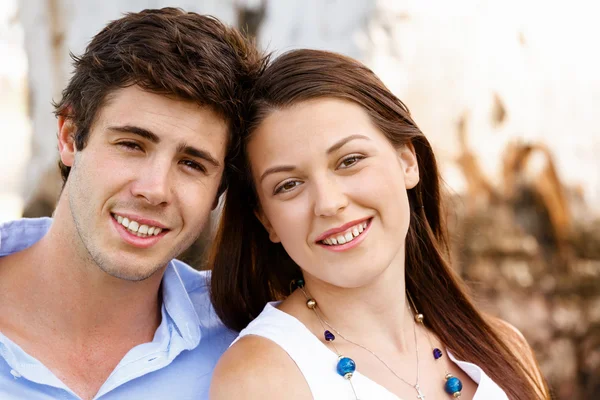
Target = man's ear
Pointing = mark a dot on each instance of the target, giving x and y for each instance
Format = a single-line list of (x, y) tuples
[(66, 140), (410, 166), (265, 222)]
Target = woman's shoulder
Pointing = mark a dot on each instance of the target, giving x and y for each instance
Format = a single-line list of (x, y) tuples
[(257, 368)]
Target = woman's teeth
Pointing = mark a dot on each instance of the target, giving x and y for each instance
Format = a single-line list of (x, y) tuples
[(136, 228), (347, 236)]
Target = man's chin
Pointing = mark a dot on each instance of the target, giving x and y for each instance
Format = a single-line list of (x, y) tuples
[(131, 273)]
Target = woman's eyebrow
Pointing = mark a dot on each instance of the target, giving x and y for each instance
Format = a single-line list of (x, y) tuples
[(342, 142), (273, 170)]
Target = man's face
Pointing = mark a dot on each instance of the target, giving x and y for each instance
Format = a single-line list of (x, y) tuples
[(142, 189)]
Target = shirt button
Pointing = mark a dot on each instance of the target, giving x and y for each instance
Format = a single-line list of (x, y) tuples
[(15, 373)]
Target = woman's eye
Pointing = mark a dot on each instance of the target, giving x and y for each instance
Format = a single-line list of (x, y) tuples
[(286, 186), (350, 161), (193, 165)]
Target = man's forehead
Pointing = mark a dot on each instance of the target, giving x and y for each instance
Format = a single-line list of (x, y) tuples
[(135, 106)]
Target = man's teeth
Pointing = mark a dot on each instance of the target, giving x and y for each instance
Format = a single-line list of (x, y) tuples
[(349, 236), (137, 228)]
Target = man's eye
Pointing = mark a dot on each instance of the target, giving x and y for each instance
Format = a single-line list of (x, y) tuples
[(350, 161), (193, 165), (286, 186), (129, 145)]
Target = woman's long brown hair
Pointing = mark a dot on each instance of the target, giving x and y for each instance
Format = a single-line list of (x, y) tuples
[(249, 270)]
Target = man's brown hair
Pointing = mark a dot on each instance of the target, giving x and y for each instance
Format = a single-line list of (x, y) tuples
[(170, 52)]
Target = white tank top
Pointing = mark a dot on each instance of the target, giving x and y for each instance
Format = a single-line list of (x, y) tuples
[(317, 362)]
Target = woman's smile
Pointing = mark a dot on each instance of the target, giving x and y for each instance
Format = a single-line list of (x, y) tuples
[(345, 238)]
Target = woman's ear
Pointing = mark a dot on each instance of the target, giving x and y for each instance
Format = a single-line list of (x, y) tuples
[(66, 140), (410, 166), (265, 222)]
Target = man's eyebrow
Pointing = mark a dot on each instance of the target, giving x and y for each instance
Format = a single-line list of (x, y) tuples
[(136, 130), (345, 140), (198, 153), (273, 170)]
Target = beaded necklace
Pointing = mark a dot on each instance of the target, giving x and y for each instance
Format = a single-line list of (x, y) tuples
[(347, 366)]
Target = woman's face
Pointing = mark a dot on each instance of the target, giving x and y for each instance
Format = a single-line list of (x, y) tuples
[(332, 190)]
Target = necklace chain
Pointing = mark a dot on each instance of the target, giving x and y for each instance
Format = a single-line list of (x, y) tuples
[(324, 322)]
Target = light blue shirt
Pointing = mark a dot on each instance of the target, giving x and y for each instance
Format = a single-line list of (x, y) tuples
[(177, 364)]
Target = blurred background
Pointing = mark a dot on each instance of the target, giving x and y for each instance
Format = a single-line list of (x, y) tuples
[(507, 92)]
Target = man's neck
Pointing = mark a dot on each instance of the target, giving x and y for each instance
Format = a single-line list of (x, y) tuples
[(62, 291)]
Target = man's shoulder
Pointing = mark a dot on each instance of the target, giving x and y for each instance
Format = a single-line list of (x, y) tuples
[(22, 233), (24, 224)]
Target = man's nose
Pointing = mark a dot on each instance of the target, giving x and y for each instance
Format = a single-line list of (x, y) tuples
[(153, 183)]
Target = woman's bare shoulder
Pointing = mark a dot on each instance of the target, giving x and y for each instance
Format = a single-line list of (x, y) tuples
[(257, 368)]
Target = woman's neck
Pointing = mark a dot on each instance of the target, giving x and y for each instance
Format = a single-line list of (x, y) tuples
[(377, 311)]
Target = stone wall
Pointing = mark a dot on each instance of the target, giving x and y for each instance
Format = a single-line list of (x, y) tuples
[(557, 307)]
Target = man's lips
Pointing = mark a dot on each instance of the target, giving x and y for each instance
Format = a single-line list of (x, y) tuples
[(135, 239), (139, 219)]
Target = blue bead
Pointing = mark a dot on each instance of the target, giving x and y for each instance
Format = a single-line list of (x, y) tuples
[(453, 385), (329, 336), (437, 353), (346, 367), (300, 283)]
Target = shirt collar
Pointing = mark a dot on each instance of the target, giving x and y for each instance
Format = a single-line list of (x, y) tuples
[(179, 306)]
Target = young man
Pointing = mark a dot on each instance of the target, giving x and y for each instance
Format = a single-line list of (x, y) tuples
[(92, 304)]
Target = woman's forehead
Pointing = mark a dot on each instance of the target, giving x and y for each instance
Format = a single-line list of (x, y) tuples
[(322, 117)]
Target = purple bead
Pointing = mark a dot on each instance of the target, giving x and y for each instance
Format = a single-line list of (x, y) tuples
[(437, 353), (329, 336)]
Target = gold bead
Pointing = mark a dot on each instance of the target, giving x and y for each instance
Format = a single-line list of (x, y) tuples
[(348, 375), (448, 376), (456, 395), (310, 303), (419, 317)]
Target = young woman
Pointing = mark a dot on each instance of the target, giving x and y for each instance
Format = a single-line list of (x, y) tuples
[(332, 247)]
